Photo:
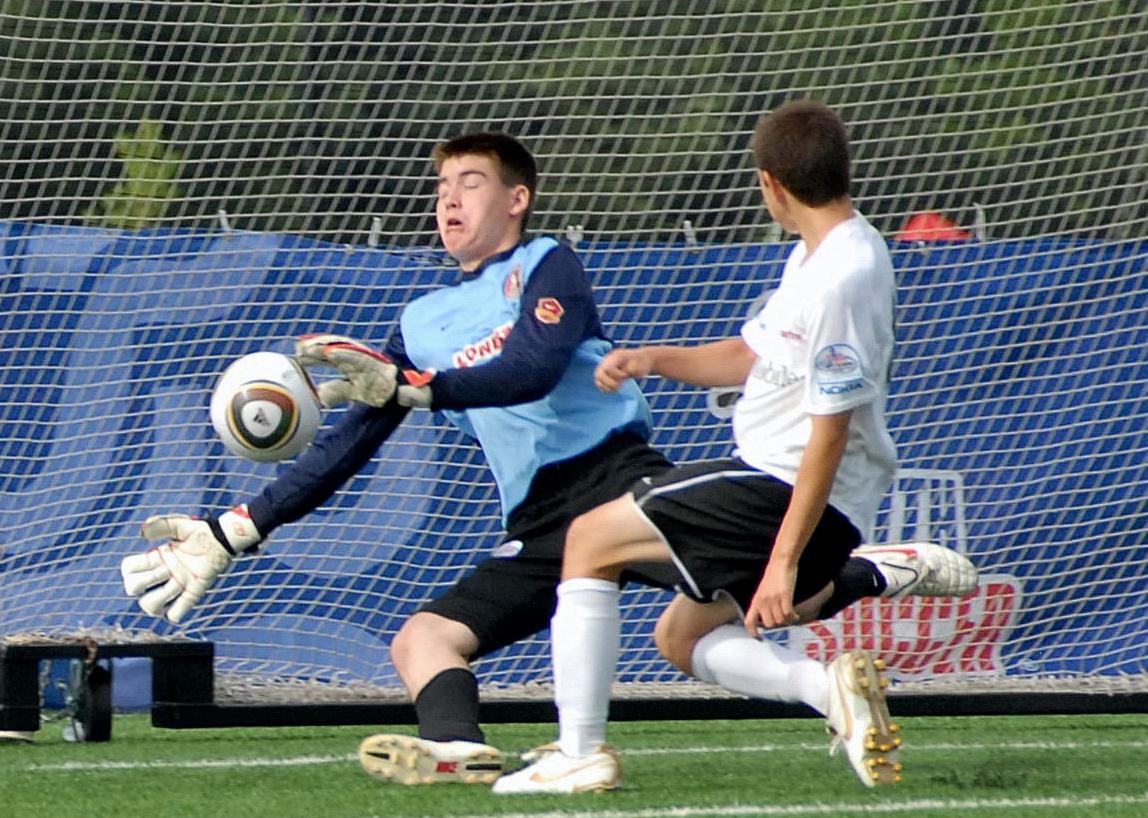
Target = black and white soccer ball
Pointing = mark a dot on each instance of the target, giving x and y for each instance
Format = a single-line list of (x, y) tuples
[(264, 407)]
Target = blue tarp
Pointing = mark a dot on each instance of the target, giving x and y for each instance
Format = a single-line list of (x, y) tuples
[(1021, 365)]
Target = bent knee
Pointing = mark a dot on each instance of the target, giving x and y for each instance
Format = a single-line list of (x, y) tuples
[(405, 643), (676, 646), (427, 634), (586, 552)]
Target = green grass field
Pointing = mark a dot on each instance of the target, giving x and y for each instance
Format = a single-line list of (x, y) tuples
[(1017, 766)]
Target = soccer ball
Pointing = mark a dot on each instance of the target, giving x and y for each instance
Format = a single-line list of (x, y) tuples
[(264, 407)]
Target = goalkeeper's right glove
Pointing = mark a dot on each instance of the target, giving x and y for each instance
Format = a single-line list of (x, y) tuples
[(172, 577)]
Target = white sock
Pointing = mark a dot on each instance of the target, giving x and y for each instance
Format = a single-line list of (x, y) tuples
[(584, 637), (730, 657)]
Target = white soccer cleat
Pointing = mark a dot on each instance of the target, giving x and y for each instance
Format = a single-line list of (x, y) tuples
[(556, 772), (17, 737), (921, 569), (410, 760), (859, 718)]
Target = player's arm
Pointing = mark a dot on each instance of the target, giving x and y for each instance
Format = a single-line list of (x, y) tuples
[(842, 375), (172, 577), (721, 363), (324, 466), (772, 604), (335, 456), (558, 313)]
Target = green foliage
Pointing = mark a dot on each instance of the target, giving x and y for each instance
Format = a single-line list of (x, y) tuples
[(317, 116), (150, 169)]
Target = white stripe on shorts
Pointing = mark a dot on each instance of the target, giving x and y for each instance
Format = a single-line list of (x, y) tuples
[(679, 485)]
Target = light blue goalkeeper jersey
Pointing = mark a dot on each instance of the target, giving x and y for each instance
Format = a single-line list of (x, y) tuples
[(464, 330)]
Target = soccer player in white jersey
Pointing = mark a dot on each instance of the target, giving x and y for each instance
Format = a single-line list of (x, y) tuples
[(760, 536)]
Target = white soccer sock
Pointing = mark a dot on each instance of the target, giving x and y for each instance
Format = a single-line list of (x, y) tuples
[(584, 637), (730, 657)]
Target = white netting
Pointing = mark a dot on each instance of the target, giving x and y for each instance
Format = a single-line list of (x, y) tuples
[(185, 182)]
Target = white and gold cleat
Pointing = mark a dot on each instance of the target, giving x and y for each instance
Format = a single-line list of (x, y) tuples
[(921, 569), (859, 719), (552, 771), (411, 760)]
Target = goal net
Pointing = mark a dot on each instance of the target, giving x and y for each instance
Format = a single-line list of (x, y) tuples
[(186, 182)]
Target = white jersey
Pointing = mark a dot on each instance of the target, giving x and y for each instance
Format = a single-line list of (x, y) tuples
[(824, 345)]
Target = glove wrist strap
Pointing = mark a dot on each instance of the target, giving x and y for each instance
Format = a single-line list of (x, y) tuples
[(235, 531)]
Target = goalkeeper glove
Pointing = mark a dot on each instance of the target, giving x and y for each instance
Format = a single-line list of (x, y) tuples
[(415, 392), (172, 577), (369, 376)]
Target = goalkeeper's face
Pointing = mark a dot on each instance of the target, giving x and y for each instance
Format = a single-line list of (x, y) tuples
[(478, 214)]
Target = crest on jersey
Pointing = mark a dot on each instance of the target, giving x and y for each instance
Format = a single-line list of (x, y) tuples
[(838, 360), (512, 285), (838, 370), (549, 310)]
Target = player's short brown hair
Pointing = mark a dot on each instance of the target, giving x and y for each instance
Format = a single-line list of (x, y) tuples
[(516, 165), (803, 144)]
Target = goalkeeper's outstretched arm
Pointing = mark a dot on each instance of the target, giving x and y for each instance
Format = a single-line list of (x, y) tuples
[(172, 577), (335, 456)]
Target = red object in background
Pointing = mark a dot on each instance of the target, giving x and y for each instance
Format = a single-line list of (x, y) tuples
[(931, 226)]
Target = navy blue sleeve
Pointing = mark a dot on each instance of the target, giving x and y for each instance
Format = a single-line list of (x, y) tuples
[(335, 456), (558, 313), (396, 350)]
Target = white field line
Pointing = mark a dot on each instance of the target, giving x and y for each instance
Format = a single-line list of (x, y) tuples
[(230, 763), (1073, 805)]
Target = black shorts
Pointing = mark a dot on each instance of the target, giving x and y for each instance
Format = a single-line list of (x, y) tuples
[(720, 518), (512, 594)]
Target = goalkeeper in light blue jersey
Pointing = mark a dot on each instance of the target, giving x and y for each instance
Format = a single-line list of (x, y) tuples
[(507, 354)]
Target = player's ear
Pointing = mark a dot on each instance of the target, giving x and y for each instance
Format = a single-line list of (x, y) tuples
[(767, 181), (771, 188), (520, 200)]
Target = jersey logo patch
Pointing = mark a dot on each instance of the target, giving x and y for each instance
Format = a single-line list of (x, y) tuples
[(838, 370), (506, 550), (549, 310), (512, 285), (837, 360)]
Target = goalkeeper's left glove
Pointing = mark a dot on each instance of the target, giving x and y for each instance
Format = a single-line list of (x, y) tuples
[(415, 391), (172, 577), (369, 376)]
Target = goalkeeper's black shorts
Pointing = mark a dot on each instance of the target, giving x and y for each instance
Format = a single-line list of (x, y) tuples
[(512, 594), (720, 518)]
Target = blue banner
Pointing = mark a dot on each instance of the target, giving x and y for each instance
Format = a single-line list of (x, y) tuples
[(1021, 366)]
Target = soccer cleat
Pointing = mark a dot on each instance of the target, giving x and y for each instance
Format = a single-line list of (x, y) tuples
[(410, 760), (859, 719), (921, 569), (17, 737), (556, 772)]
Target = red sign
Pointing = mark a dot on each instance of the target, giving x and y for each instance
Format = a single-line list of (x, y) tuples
[(922, 636)]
